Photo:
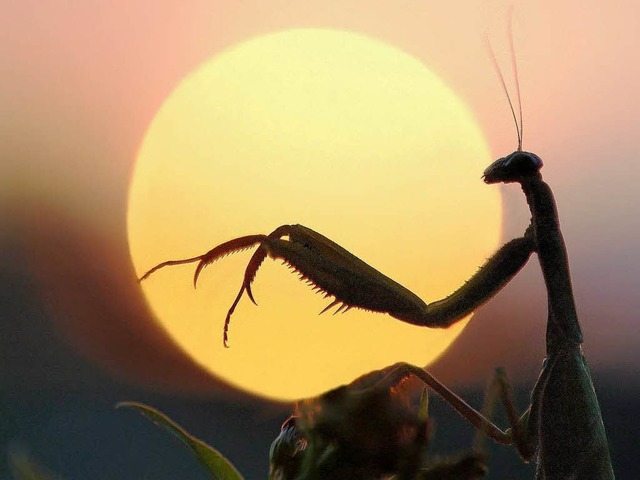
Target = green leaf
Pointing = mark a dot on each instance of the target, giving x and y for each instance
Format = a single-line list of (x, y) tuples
[(23, 467), (216, 464)]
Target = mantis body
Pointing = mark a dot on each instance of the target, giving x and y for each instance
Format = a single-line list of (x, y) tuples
[(563, 425)]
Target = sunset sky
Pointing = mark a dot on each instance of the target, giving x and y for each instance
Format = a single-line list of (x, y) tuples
[(82, 81)]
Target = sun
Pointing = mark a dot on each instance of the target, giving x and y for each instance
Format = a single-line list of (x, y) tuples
[(332, 130)]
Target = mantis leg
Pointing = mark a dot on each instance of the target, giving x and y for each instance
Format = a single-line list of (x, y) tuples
[(499, 387), (483, 285), (520, 432)]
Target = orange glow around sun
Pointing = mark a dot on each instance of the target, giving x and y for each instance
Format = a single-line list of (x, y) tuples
[(338, 132)]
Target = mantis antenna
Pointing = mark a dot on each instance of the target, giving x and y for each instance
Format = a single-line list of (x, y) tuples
[(504, 85), (514, 66)]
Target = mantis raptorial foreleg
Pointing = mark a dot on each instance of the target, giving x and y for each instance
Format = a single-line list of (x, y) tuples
[(498, 270), (334, 271)]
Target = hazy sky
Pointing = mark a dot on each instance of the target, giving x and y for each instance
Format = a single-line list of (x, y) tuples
[(81, 82)]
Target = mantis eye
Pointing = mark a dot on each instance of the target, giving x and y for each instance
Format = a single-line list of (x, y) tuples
[(513, 168)]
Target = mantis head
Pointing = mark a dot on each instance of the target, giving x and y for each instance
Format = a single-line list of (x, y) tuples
[(515, 167)]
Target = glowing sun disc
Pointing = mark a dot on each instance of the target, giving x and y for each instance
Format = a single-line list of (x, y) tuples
[(336, 131)]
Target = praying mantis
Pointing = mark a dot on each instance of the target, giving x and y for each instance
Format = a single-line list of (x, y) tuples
[(563, 426), (368, 429)]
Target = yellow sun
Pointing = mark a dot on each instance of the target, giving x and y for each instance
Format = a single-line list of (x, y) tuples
[(338, 132)]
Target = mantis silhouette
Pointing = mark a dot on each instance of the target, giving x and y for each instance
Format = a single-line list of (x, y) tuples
[(368, 429), (563, 426)]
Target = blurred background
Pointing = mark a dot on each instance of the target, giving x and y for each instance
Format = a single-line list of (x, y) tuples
[(80, 83)]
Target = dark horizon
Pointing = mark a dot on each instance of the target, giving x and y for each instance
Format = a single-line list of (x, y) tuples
[(60, 409)]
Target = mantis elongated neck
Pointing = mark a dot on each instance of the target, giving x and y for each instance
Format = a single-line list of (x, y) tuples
[(563, 327)]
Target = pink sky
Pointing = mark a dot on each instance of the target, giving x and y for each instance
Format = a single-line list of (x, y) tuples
[(81, 83)]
